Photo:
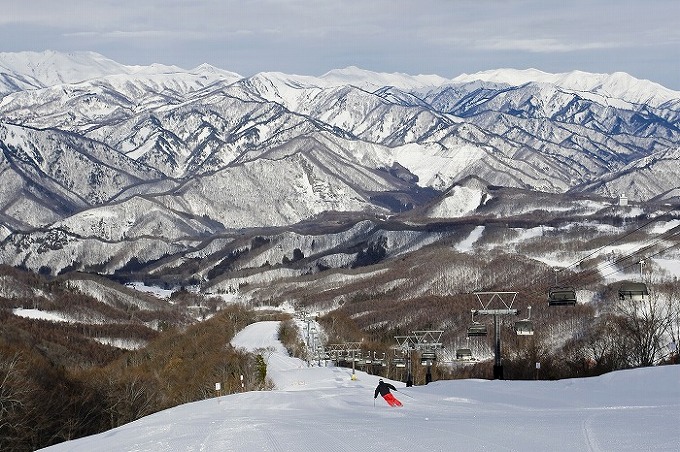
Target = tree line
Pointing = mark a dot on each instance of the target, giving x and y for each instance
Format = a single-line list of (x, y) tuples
[(47, 398)]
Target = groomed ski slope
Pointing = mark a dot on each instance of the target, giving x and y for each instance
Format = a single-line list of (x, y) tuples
[(322, 409)]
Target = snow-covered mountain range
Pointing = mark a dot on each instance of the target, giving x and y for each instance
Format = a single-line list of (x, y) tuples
[(105, 166)]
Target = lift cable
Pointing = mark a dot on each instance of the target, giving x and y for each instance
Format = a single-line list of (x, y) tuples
[(639, 253), (647, 257), (670, 234), (644, 225)]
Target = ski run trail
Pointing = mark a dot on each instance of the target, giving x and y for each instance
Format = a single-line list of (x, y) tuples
[(324, 409)]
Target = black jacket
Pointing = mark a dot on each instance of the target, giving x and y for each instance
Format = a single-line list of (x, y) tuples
[(383, 388)]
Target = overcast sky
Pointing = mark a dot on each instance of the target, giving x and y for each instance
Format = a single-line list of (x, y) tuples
[(311, 37)]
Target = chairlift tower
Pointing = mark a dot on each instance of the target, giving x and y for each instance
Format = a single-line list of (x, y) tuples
[(350, 349), (496, 304), (310, 330), (314, 344), (428, 342), (407, 344)]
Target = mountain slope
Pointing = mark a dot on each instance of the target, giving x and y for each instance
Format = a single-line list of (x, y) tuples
[(60, 173), (647, 178), (214, 152)]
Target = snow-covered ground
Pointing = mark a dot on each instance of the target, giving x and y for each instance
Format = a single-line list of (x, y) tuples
[(323, 409), (42, 315), (153, 290)]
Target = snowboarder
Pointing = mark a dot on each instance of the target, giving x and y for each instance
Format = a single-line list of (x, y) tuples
[(384, 390)]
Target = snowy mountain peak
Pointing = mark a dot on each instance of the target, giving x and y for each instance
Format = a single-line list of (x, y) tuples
[(206, 68), (513, 77), (618, 84), (51, 68), (26, 70), (370, 80), (154, 68), (35, 70)]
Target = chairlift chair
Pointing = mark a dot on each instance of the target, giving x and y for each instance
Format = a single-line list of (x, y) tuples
[(378, 361), (464, 354), (476, 329), (427, 358), (525, 327), (561, 296), (399, 359), (633, 291)]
